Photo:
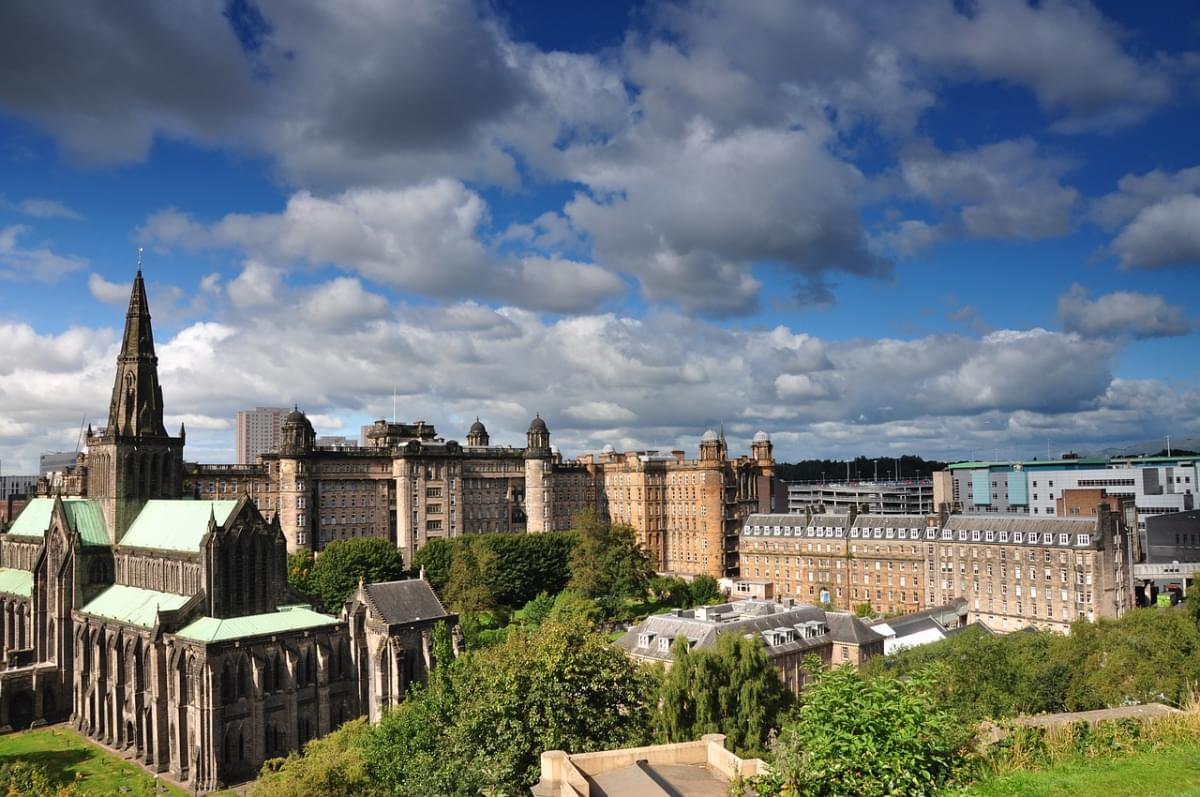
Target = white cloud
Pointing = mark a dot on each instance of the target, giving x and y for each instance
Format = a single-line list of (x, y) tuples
[(1164, 234), (108, 292), (41, 208), (1122, 313), (40, 263)]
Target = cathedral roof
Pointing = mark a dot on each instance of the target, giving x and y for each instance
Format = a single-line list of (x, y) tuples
[(177, 525), (16, 582), (400, 602), (133, 605), (84, 515), (288, 618)]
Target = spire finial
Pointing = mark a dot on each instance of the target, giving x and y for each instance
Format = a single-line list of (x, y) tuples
[(139, 260)]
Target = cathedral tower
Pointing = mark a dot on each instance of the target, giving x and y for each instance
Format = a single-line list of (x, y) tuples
[(134, 459)]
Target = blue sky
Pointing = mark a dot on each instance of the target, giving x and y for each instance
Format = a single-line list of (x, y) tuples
[(865, 228)]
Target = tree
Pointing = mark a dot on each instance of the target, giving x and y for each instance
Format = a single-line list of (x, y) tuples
[(465, 588), (732, 689), (705, 590), (869, 736), (536, 610), (25, 779), (332, 765), (299, 571), (435, 556), (607, 563), (343, 563), (481, 725)]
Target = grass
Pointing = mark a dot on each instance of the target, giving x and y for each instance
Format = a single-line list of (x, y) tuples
[(1173, 771), (64, 753)]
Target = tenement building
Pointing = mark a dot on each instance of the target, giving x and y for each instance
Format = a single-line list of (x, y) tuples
[(163, 626), (1013, 571)]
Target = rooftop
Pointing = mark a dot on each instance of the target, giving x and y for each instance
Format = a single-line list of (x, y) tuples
[(83, 514), (407, 601), (290, 618), (133, 605), (16, 582), (175, 525), (1071, 464)]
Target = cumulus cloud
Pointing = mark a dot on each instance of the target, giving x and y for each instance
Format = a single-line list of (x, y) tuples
[(1122, 313), (1005, 190), (425, 239), (1164, 234), (109, 292), (41, 208), (39, 263)]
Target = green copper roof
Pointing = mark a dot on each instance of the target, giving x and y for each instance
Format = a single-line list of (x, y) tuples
[(16, 582), (175, 525), (133, 605), (83, 514), (211, 629)]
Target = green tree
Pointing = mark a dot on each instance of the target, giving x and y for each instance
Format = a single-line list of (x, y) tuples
[(435, 556), (670, 590), (536, 610), (732, 689), (465, 588), (483, 720), (705, 590), (857, 735), (343, 563), (607, 563), (332, 765), (299, 571)]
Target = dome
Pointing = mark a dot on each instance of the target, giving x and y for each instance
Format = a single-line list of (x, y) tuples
[(709, 437), (538, 425), (608, 449), (477, 428), (295, 417), (762, 437)]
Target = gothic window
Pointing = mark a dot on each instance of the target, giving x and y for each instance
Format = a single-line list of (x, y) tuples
[(243, 678)]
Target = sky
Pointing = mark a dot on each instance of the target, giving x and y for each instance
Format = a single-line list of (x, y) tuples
[(957, 229)]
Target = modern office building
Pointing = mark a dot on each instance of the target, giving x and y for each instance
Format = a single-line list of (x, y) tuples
[(902, 497), (1157, 485), (258, 433)]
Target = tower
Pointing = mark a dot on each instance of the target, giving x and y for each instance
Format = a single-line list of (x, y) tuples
[(297, 488), (477, 437), (762, 451), (133, 459), (538, 492)]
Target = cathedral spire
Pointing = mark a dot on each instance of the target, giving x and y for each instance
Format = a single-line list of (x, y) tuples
[(136, 407)]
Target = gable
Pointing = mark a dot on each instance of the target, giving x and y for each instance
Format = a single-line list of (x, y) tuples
[(83, 515)]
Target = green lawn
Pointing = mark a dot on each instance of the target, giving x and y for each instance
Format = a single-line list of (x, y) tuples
[(63, 753), (1170, 772)]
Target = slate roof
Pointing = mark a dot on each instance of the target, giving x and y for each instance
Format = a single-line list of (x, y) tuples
[(177, 525), (133, 605), (83, 514), (845, 627), (16, 582), (739, 618), (1020, 523), (401, 602), (891, 522), (291, 618)]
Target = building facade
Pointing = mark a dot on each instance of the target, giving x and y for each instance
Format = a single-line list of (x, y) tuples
[(904, 497), (163, 626), (1013, 571), (257, 433)]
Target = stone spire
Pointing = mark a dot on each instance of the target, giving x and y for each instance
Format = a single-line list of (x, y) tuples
[(136, 409)]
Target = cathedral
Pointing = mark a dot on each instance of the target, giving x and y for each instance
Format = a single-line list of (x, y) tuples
[(164, 627)]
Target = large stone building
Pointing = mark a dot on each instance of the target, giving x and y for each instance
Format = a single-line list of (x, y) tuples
[(1014, 571), (410, 485), (164, 627)]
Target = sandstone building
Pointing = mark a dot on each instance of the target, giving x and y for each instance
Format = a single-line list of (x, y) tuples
[(1014, 571), (164, 627)]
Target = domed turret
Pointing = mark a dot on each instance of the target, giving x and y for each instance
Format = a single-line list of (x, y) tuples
[(710, 446), (297, 435), (709, 437), (537, 438), (762, 437), (762, 450), (478, 434), (608, 449)]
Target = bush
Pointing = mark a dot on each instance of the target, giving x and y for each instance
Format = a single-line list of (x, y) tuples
[(332, 766), (868, 736)]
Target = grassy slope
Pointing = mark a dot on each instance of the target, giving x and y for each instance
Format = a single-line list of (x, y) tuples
[(63, 753), (1174, 772)]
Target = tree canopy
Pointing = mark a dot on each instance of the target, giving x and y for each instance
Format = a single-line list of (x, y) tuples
[(342, 563), (607, 564)]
